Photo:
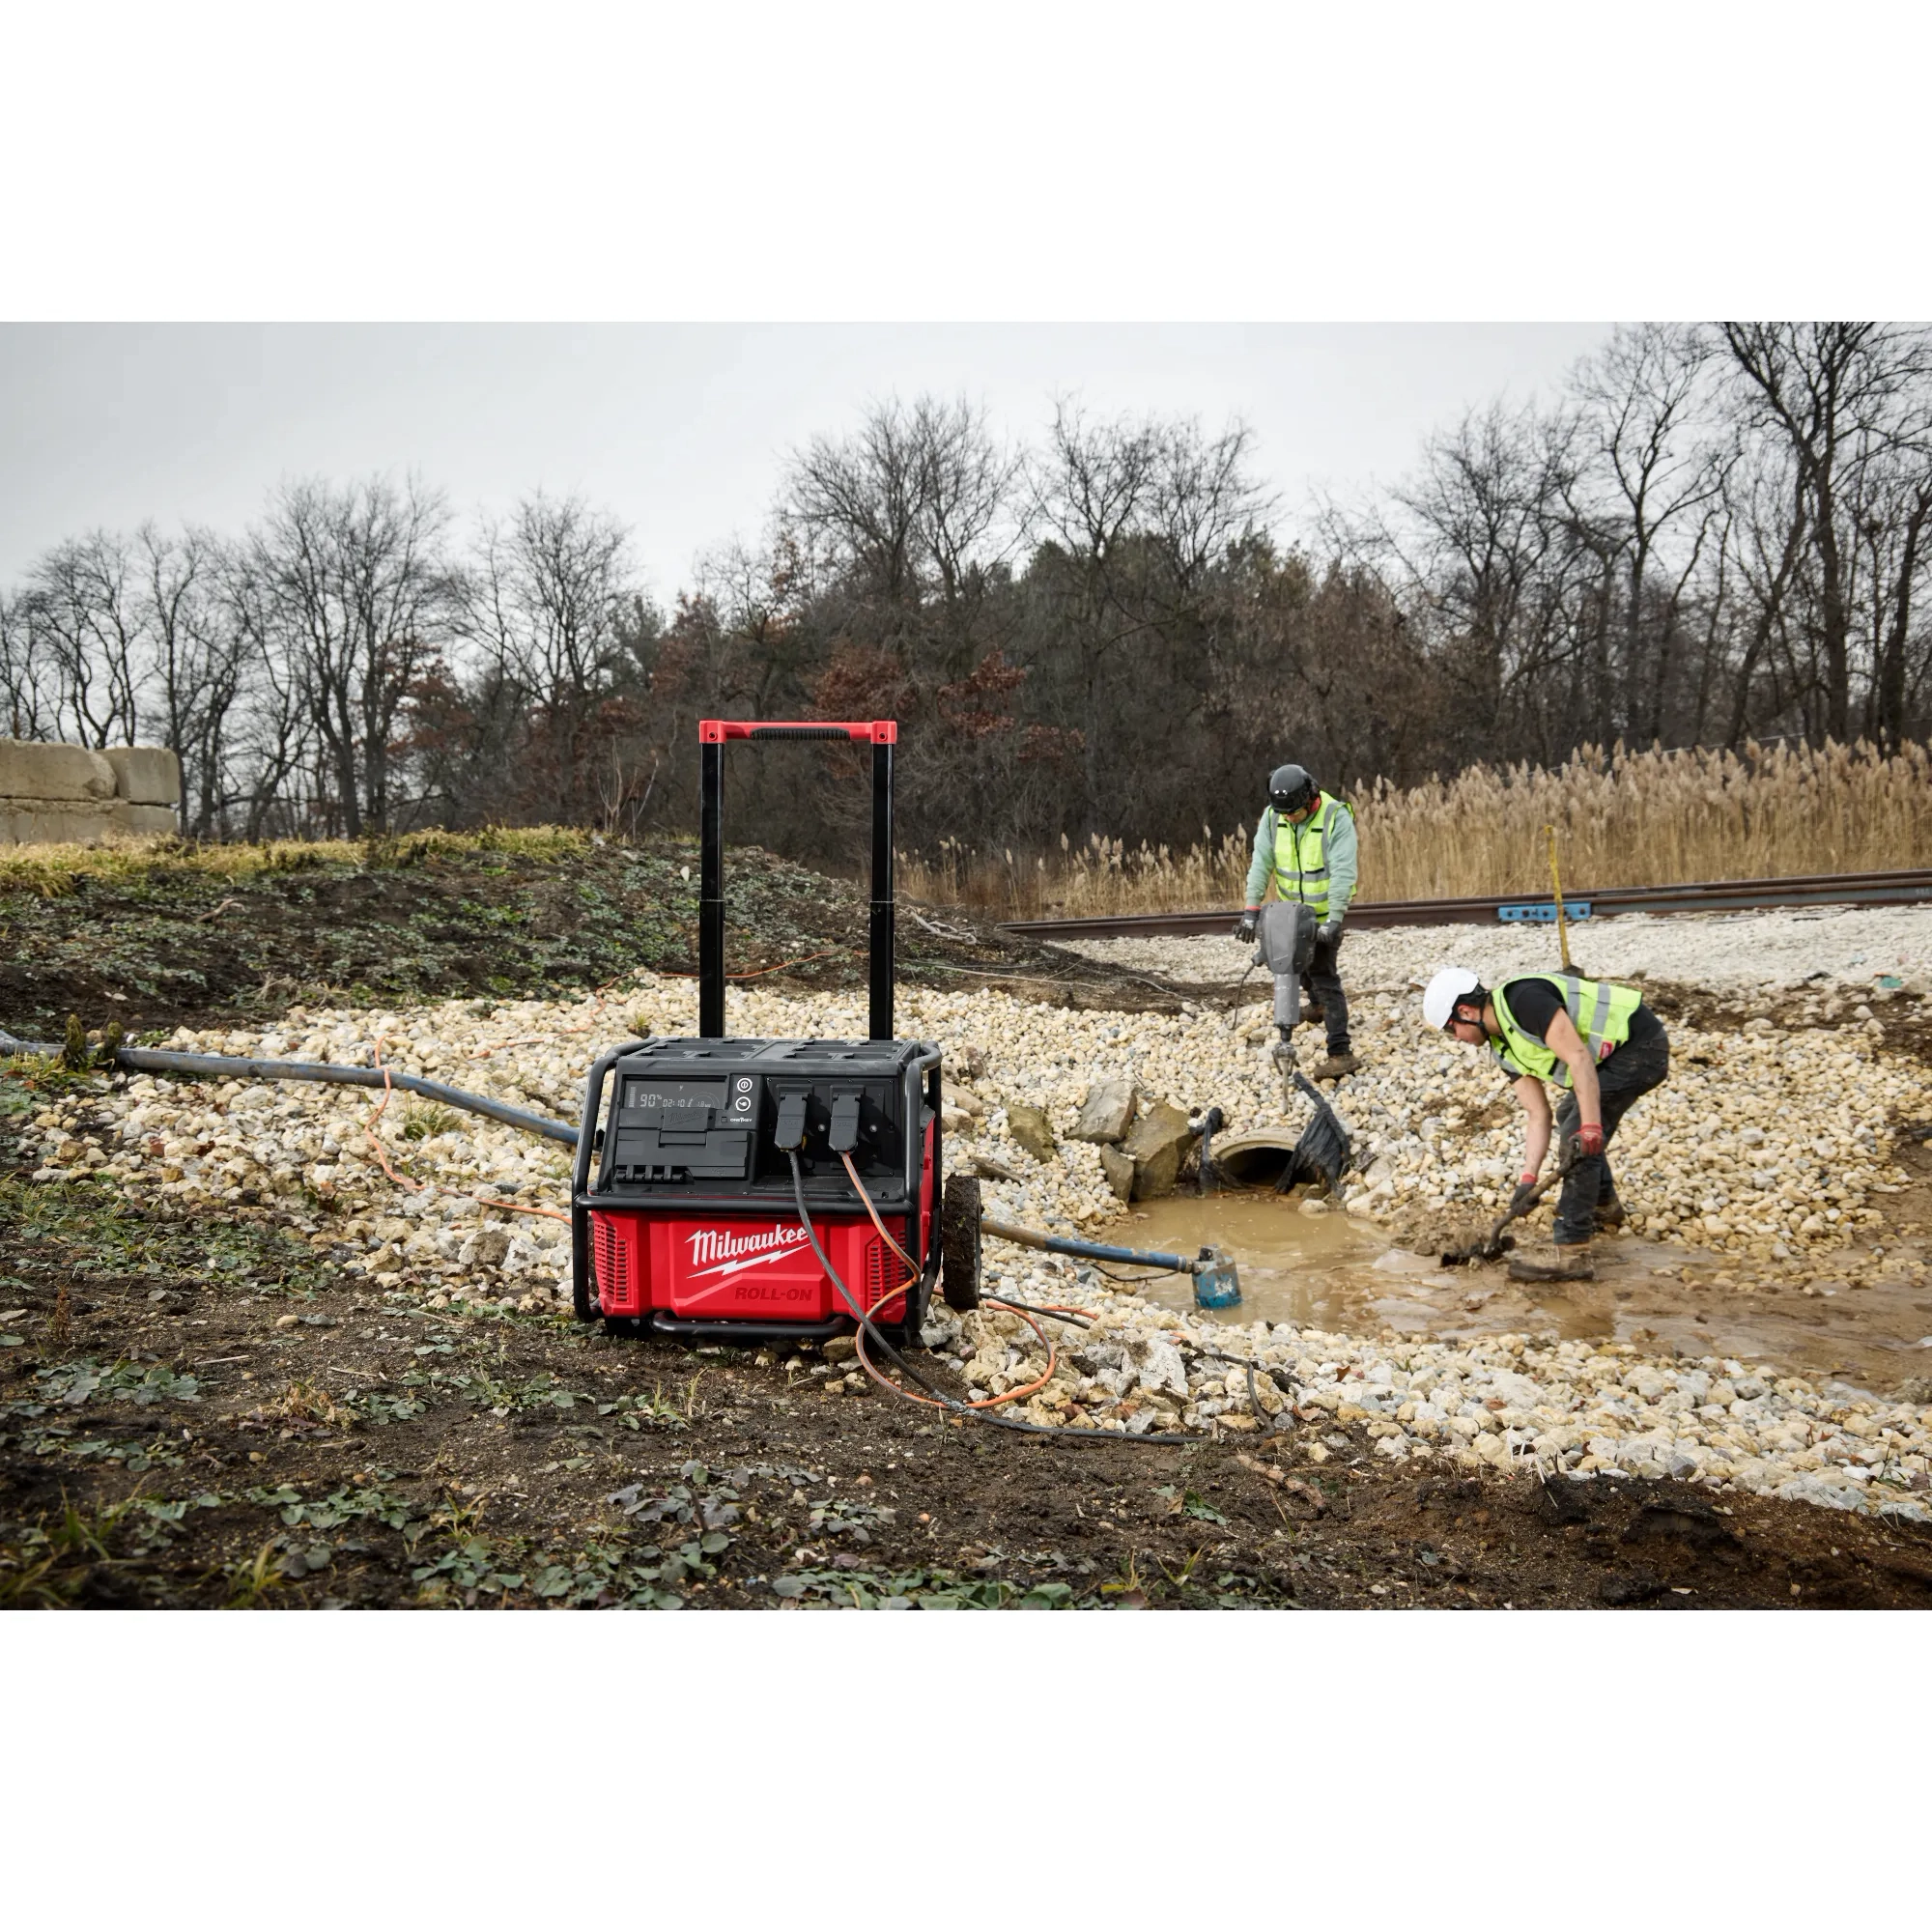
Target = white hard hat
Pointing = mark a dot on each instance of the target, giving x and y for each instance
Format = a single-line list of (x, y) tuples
[(1441, 996)]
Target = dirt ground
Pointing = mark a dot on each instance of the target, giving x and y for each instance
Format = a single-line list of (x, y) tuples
[(205, 1413), (201, 1417)]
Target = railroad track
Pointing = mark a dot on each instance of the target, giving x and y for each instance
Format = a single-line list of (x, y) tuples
[(1904, 888)]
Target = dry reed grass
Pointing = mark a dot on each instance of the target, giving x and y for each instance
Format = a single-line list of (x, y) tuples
[(1622, 819)]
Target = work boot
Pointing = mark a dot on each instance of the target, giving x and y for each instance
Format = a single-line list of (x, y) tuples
[(1609, 1216), (1548, 1261), (1335, 1065)]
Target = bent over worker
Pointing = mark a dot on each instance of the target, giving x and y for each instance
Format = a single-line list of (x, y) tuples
[(1305, 848), (1600, 1046)]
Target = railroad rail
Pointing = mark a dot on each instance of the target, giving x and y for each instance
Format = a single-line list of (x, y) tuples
[(1843, 889)]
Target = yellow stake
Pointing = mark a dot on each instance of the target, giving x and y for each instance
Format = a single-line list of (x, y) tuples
[(1562, 923)]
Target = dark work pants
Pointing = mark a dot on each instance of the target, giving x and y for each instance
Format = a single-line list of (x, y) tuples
[(1323, 982), (1637, 1067)]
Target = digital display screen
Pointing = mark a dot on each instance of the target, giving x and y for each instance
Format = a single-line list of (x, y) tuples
[(673, 1097)]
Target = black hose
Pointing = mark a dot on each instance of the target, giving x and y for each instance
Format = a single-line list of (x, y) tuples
[(155, 1060), (1034, 1308)]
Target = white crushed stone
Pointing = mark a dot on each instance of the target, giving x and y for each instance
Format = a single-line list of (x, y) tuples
[(1802, 1144), (1839, 946)]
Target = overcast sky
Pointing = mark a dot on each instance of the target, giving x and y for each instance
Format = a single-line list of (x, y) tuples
[(681, 429)]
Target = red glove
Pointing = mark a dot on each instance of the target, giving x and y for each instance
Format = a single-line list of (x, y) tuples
[(1589, 1138)]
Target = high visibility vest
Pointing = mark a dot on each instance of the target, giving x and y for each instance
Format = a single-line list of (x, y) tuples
[(1301, 855), (1600, 1011)]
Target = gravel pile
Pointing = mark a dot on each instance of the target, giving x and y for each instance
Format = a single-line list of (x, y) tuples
[(1838, 946), (1767, 1146), (1505, 1402)]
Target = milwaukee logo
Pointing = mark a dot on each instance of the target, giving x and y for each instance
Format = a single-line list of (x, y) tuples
[(716, 1251)]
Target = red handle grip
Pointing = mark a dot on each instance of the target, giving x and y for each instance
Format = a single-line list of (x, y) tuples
[(715, 731)]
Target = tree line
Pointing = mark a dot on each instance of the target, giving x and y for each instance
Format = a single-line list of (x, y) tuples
[(1713, 534)]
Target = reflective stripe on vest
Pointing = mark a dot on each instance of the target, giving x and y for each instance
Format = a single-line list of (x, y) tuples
[(1301, 856), (1600, 1011)]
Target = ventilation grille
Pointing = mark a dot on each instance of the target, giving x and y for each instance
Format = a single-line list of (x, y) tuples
[(884, 1272), (616, 1291)]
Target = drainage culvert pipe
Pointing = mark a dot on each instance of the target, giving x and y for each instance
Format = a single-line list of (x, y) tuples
[(219, 1067)]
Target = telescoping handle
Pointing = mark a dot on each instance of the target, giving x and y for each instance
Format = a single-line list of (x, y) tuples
[(713, 733)]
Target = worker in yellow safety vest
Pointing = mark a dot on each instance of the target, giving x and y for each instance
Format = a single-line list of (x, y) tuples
[(1600, 1046), (1305, 849)]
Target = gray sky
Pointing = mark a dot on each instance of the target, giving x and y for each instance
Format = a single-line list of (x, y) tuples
[(680, 429)]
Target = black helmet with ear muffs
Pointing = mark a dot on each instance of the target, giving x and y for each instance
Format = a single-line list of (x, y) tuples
[(1290, 788)]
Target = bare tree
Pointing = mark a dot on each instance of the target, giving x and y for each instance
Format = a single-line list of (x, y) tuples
[(1894, 533), (198, 662), (83, 616), (905, 501), (546, 603), (31, 708), (906, 516), (359, 594), (1840, 395), (1503, 575), (1655, 469), (1124, 518)]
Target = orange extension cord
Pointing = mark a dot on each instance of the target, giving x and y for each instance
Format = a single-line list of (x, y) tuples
[(898, 1388)]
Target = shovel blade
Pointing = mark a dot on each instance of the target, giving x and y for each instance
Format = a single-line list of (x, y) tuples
[(1493, 1248)]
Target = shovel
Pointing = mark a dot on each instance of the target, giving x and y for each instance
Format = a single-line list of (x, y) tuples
[(1496, 1244)]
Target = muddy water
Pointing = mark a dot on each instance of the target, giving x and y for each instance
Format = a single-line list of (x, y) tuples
[(1334, 1272)]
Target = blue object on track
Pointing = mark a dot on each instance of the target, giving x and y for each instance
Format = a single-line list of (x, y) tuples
[(1544, 911)]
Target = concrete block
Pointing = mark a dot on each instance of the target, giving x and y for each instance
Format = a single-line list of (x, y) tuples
[(56, 822), (31, 770), (146, 821), (145, 774)]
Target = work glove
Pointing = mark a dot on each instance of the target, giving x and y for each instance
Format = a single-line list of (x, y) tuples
[(1328, 932), (1589, 1138), (1525, 1190), (1244, 927)]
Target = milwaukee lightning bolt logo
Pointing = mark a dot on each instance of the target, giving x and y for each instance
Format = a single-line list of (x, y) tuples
[(714, 1251)]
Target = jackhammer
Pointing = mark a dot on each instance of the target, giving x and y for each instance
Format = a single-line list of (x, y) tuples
[(1285, 944)]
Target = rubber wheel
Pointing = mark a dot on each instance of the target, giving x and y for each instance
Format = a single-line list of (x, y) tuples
[(960, 1242)]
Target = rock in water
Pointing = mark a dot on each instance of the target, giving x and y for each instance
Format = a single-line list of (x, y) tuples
[(1107, 1113), (1030, 1126), (1120, 1173), (1154, 1147)]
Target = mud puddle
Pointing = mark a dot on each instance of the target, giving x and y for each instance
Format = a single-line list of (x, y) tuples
[(1333, 1272)]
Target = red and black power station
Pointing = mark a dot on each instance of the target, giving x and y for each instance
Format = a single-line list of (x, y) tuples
[(690, 1224)]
